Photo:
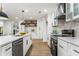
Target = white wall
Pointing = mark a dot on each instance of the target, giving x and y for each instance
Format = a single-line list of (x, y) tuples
[(50, 20), (34, 34), (39, 29), (21, 27), (7, 27), (42, 32), (1, 23)]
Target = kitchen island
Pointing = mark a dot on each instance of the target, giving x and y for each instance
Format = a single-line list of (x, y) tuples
[(6, 44)]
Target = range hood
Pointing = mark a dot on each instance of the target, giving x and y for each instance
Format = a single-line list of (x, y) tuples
[(61, 11), (3, 16)]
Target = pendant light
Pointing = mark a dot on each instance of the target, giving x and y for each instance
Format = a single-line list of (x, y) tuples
[(3, 16), (23, 23)]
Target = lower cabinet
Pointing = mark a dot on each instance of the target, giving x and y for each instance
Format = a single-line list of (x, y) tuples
[(16, 46), (74, 50), (67, 49), (6, 50), (62, 48), (26, 44)]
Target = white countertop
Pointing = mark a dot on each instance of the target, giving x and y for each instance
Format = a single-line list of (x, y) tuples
[(71, 40), (10, 38)]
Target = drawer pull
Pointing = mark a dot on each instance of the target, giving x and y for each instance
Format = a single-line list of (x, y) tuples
[(8, 49), (60, 46), (76, 51), (27, 42)]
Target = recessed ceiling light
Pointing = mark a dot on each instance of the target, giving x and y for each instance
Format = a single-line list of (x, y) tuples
[(31, 17), (26, 10), (16, 18), (45, 10)]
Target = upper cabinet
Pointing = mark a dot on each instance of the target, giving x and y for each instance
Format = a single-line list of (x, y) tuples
[(69, 11), (72, 11), (75, 11)]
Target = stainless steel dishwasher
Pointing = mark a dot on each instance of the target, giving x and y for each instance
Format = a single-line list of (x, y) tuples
[(17, 47)]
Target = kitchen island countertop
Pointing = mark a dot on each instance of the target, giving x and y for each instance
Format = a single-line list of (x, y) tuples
[(10, 38)]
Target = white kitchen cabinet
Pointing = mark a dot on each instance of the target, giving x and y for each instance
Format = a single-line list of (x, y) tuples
[(62, 48), (55, 22), (6, 50), (72, 11), (26, 44), (69, 11), (67, 49), (74, 50), (75, 11)]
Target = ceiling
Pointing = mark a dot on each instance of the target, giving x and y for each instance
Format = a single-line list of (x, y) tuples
[(32, 10)]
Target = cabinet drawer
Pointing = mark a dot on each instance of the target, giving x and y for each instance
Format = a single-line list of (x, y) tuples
[(62, 43), (7, 49), (62, 48), (74, 50)]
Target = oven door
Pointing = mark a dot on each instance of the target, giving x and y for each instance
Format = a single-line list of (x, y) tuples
[(53, 47)]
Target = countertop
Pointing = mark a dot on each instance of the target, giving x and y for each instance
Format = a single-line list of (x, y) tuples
[(71, 40), (10, 38)]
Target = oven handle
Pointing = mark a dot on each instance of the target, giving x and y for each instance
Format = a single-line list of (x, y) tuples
[(19, 43)]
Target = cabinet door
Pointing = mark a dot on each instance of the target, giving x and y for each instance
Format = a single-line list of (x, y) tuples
[(69, 11), (76, 10), (0, 51), (62, 48), (74, 50), (25, 43), (69, 49), (29, 42), (7, 50)]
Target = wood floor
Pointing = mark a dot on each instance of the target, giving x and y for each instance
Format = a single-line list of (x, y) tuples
[(39, 48)]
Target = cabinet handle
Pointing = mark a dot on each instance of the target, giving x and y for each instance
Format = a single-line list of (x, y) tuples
[(76, 51), (20, 43), (8, 49), (27, 42), (60, 46)]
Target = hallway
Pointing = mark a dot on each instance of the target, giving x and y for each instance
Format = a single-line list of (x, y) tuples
[(39, 48)]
